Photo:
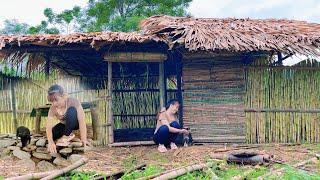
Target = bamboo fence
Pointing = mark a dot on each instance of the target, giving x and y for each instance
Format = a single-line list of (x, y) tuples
[(284, 103)]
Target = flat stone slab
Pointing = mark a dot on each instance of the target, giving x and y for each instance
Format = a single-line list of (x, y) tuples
[(6, 142), (26, 164), (45, 166), (41, 143), (42, 156), (60, 161), (21, 154)]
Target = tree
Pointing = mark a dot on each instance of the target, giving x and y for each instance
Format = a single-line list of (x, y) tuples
[(43, 28), (13, 26), (125, 15), (66, 21)]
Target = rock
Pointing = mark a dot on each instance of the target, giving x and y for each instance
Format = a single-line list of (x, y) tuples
[(60, 161), (45, 166), (21, 154), (76, 140), (37, 135), (41, 142), (43, 156), (4, 136), (5, 153), (55, 155), (12, 148), (12, 136), (26, 164), (79, 149), (19, 144), (32, 147), (6, 142), (65, 151), (76, 144), (75, 157), (33, 141), (42, 150)]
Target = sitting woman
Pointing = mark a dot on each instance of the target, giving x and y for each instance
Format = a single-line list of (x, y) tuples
[(168, 127), (71, 115)]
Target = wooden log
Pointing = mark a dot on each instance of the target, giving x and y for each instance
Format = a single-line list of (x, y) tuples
[(162, 84), (182, 171), (109, 110), (95, 123), (132, 143), (66, 169), (32, 176), (135, 57)]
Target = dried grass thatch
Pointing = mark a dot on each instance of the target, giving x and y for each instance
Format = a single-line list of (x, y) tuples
[(230, 34), (95, 39), (195, 34)]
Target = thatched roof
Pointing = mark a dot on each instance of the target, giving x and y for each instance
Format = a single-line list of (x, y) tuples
[(95, 39), (230, 34)]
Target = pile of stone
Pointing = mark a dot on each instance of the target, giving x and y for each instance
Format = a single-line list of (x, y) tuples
[(35, 155)]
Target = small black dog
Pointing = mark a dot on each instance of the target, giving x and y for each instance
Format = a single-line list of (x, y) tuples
[(24, 134)]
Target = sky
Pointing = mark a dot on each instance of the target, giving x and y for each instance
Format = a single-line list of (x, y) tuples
[(31, 11)]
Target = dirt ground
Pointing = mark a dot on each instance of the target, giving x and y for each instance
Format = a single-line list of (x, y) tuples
[(111, 159)]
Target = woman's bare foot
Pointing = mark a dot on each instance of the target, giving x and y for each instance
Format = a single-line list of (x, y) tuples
[(162, 148), (173, 146)]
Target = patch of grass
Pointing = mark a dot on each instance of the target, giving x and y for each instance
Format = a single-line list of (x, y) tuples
[(77, 175), (291, 173), (159, 157), (148, 171), (130, 162)]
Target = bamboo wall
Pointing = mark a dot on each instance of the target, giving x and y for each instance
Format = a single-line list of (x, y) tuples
[(213, 99), (33, 93), (282, 92)]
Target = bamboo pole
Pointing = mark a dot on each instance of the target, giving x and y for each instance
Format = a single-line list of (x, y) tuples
[(66, 169), (13, 104), (182, 171), (32, 176)]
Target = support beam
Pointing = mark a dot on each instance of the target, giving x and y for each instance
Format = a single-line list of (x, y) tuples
[(110, 113), (135, 57), (47, 66), (161, 84), (178, 58), (13, 104)]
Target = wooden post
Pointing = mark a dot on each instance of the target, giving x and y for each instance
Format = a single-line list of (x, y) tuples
[(13, 104), (95, 123), (178, 59), (110, 114), (38, 120), (47, 66), (161, 84)]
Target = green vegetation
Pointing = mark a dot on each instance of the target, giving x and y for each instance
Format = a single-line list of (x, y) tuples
[(149, 170), (76, 175), (99, 15)]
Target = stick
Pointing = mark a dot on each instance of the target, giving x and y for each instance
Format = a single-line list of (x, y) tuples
[(133, 143), (182, 171), (67, 169), (118, 174), (159, 174), (32, 176), (278, 171)]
